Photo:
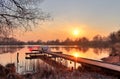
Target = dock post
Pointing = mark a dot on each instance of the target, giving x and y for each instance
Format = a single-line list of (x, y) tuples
[(17, 57), (75, 63), (17, 60)]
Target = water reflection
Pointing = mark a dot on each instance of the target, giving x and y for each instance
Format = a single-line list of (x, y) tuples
[(9, 55), (9, 49), (68, 49), (85, 52)]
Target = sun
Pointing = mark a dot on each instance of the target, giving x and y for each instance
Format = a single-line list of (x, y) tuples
[(76, 32)]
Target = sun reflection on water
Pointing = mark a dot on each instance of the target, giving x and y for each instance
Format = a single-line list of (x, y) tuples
[(76, 54)]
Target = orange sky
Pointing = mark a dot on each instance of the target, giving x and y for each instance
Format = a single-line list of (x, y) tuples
[(53, 30), (90, 17)]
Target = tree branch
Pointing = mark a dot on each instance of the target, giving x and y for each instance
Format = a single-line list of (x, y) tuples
[(17, 4), (15, 16)]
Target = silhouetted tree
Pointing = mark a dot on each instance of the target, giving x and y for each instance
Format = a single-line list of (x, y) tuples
[(68, 41), (31, 42), (97, 38), (10, 41), (118, 36), (114, 37), (39, 42), (82, 41), (19, 14), (57, 41)]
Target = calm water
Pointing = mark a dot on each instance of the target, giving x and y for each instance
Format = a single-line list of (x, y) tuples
[(8, 54)]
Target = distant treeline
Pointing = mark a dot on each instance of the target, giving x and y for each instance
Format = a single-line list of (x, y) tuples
[(97, 41), (10, 41)]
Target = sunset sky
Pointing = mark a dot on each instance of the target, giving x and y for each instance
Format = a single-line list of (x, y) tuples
[(88, 17)]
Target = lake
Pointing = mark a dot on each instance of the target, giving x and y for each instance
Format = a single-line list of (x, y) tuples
[(8, 54)]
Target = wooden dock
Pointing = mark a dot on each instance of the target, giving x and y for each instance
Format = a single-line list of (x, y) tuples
[(94, 63), (88, 61)]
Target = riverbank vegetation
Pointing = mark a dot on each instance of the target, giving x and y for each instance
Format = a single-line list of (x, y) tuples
[(45, 72)]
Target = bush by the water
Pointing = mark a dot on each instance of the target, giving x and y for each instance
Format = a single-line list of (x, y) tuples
[(9, 72)]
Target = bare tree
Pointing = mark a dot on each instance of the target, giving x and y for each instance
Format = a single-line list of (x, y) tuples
[(15, 14)]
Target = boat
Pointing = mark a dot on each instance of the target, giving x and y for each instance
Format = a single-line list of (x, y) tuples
[(40, 49)]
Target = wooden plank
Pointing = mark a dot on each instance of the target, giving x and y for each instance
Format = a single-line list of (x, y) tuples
[(41, 53), (88, 61), (32, 53)]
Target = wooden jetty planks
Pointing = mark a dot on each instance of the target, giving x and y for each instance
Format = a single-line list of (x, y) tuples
[(88, 61), (82, 60)]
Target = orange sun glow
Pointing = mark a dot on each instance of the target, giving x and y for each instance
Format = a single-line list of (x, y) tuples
[(76, 32), (76, 54)]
